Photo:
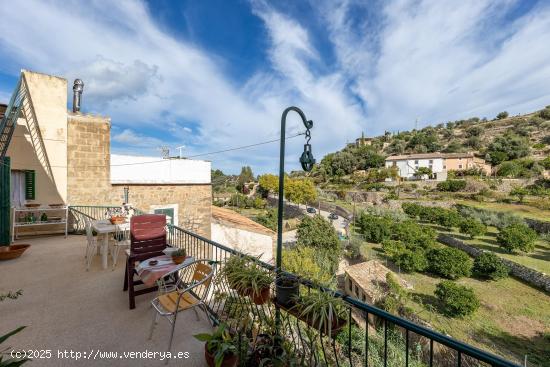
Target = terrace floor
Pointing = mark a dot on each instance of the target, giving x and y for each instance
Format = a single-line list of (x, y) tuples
[(67, 308)]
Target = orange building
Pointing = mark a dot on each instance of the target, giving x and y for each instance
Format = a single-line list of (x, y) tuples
[(464, 161)]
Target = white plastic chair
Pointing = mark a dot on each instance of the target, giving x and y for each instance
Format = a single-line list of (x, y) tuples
[(121, 239), (91, 248)]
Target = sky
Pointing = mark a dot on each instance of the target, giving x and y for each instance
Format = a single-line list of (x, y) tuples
[(217, 74)]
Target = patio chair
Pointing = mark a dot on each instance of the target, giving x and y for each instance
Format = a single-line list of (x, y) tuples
[(121, 240), (190, 291), (147, 240), (91, 247)]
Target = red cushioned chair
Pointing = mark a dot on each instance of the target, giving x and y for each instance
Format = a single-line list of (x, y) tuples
[(147, 240)]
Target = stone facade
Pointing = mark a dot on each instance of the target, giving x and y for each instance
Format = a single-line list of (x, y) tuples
[(88, 158)]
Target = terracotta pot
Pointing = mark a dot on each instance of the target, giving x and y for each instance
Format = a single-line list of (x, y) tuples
[(228, 361), (178, 259), (12, 252), (261, 298), (117, 220)]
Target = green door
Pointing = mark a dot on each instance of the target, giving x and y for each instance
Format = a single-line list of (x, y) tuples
[(169, 212), (5, 201)]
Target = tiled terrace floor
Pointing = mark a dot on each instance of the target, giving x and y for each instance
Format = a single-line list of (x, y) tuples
[(67, 308)]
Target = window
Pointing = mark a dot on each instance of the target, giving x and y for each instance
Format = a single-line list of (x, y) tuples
[(170, 210), (459, 166), (356, 290), (30, 185), (350, 285), (416, 162), (431, 161)]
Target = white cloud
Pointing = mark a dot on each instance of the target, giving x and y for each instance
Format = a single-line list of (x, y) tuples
[(433, 60)]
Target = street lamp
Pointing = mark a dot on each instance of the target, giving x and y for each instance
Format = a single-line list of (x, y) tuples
[(307, 161)]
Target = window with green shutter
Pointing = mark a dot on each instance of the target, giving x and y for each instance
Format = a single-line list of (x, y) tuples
[(30, 185)]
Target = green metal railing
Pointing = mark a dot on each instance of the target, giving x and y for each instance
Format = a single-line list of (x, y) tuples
[(371, 337)]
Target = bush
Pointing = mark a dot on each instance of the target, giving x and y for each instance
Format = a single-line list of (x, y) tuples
[(517, 237), (546, 162), (545, 113), (456, 300), (375, 229), (411, 260), (502, 115), (449, 262), (451, 185), (472, 227), (413, 210), (317, 232), (490, 266), (413, 235)]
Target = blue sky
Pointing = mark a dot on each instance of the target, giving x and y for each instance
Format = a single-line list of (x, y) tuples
[(217, 74)]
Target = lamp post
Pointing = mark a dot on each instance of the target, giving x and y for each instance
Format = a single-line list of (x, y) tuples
[(307, 162)]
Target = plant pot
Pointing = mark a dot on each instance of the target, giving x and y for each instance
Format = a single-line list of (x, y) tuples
[(117, 220), (337, 323), (287, 293), (178, 259), (228, 361), (262, 297), (12, 252)]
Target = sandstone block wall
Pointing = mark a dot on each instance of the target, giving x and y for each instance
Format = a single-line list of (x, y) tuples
[(88, 158)]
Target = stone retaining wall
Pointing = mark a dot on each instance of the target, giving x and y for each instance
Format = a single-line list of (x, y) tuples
[(528, 275)]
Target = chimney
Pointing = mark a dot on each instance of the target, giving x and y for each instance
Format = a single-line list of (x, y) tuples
[(78, 87)]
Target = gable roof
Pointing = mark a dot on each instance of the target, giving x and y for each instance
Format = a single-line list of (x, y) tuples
[(429, 156), (239, 221)]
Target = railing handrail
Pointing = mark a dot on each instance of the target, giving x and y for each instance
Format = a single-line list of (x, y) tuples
[(460, 347), (406, 324)]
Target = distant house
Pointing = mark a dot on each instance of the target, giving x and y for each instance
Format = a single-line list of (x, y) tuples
[(440, 164), (366, 281), (362, 141), (242, 234)]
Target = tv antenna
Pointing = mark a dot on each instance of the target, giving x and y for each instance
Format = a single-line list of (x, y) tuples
[(164, 151), (181, 148)]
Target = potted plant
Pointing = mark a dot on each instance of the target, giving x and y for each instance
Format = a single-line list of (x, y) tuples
[(259, 281), (321, 310), (179, 256), (232, 271), (287, 290), (219, 348), (272, 351)]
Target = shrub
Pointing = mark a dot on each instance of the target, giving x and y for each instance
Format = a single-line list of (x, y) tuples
[(411, 260), (517, 237), (546, 162), (456, 300), (489, 265), (472, 227), (413, 210), (393, 248), (449, 262), (317, 232), (502, 115), (451, 185), (545, 113), (375, 229), (413, 235)]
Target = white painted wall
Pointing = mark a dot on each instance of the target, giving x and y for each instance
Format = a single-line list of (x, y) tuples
[(247, 242), (407, 167), (155, 170)]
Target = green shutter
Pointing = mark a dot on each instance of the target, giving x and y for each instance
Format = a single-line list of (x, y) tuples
[(30, 190), (5, 201)]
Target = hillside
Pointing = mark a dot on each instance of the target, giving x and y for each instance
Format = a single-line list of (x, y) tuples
[(516, 146)]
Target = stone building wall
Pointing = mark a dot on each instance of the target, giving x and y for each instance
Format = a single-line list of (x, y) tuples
[(88, 158)]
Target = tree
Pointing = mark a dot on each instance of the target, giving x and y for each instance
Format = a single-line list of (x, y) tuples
[(302, 261), (268, 184), (474, 131), (472, 227), (245, 177), (411, 260), (449, 262), (519, 192), (507, 147), (300, 190), (375, 229), (423, 171), (456, 300), (451, 185), (545, 113), (319, 233), (502, 115), (489, 265), (517, 236)]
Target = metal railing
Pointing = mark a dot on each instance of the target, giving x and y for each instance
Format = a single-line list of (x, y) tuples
[(371, 337)]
